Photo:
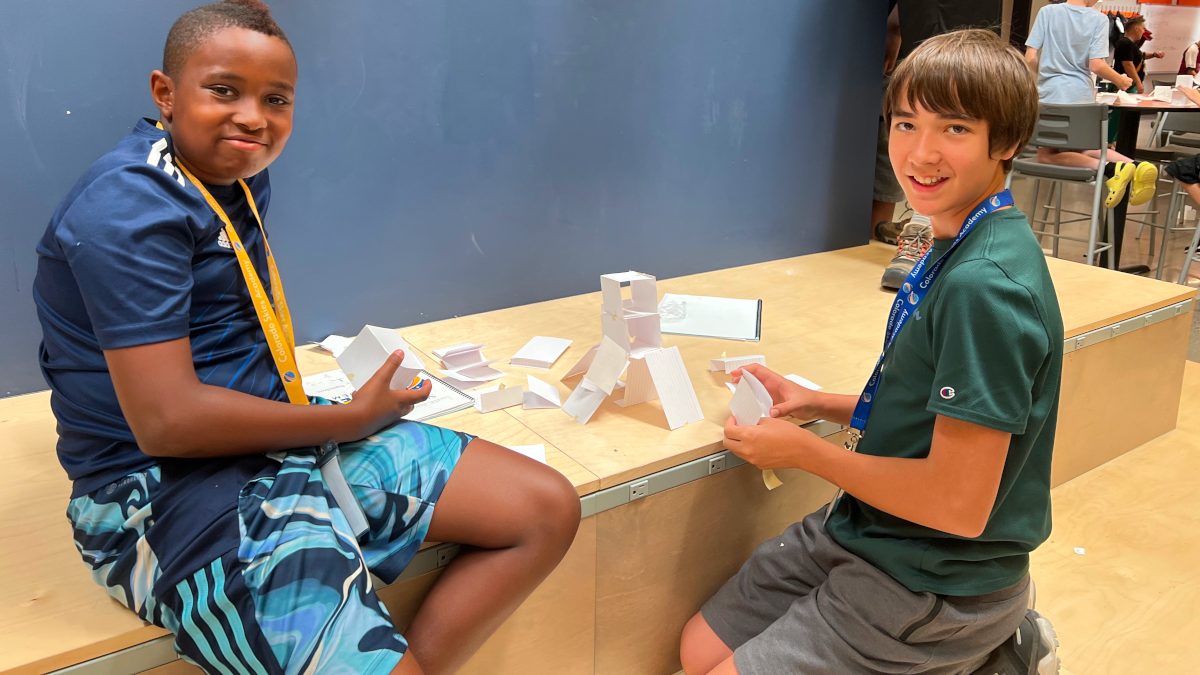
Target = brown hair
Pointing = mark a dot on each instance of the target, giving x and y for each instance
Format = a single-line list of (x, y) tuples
[(195, 26), (974, 73)]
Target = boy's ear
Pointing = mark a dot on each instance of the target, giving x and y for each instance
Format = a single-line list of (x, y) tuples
[(1009, 153), (162, 90)]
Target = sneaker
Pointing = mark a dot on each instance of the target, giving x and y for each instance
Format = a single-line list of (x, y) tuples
[(888, 231), (1032, 650), (1122, 175), (911, 244), (1145, 182)]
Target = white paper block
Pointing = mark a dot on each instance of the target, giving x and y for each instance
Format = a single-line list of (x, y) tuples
[(607, 367), (639, 386), (582, 364), (539, 394), (674, 387), (335, 344), (732, 363), (473, 376), (803, 381), (369, 349), (460, 356), (499, 398), (645, 330), (540, 352), (536, 451), (750, 401), (583, 402)]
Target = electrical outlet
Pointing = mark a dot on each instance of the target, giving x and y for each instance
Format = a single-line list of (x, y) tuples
[(716, 465), (639, 489)]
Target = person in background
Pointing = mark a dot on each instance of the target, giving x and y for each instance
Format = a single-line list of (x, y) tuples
[(1187, 64), (1068, 44)]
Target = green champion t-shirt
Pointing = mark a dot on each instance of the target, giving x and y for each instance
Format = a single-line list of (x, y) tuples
[(985, 346)]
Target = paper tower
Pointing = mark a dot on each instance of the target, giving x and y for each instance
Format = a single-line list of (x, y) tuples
[(632, 338)]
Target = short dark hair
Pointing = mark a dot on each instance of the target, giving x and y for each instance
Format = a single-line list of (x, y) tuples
[(970, 72), (195, 26)]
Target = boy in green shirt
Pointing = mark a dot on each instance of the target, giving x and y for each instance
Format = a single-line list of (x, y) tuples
[(922, 565)]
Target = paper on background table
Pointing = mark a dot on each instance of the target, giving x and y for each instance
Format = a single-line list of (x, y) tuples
[(443, 399), (584, 401), (536, 451), (540, 352), (802, 381), (460, 356), (491, 400), (732, 363), (335, 344), (540, 394), (709, 316)]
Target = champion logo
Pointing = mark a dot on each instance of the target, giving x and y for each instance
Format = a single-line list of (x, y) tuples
[(223, 240), (947, 393), (917, 314)]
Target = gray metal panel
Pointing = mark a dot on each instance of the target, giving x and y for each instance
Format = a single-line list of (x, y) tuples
[(460, 156), (1129, 325)]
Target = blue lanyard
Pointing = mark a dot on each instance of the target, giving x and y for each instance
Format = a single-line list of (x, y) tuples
[(908, 298)]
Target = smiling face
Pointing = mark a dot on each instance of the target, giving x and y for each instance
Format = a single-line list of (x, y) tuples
[(943, 163), (229, 107)]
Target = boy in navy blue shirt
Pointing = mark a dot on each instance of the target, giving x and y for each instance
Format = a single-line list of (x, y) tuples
[(199, 498)]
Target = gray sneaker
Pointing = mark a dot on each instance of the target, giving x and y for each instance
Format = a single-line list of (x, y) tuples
[(1032, 650), (912, 243), (888, 231)]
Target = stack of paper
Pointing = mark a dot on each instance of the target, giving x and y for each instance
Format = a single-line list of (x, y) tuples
[(540, 352), (707, 316), (466, 366), (497, 398)]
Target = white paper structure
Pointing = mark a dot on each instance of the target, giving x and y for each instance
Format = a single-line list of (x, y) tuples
[(540, 352), (632, 338), (751, 403), (367, 352), (803, 381), (732, 363), (501, 397), (465, 365), (539, 394)]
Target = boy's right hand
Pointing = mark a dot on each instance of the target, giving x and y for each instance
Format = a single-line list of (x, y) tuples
[(788, 397), (1123, 82), (382, 406)]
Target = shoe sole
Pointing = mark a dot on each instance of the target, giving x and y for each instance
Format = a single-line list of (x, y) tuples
[(1145, 180), (1116, 185), (1048, 664)]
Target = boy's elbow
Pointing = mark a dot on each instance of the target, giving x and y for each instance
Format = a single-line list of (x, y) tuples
[(161, 434)]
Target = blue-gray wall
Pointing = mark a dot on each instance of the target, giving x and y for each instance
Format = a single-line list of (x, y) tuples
[(455, 156)]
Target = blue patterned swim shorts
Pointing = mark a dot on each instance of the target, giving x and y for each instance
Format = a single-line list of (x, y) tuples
[(295, 595)]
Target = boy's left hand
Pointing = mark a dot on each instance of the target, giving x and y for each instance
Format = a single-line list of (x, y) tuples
[(771, 444)]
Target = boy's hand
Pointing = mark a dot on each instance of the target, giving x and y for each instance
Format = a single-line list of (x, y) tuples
[(789, 398), (770, 444), (379, 404), (1123, 82)]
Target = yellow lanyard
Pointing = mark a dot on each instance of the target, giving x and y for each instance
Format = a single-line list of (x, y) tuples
[(276, 321)]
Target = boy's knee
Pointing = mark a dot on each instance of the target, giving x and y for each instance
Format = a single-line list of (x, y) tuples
[(553, 507), (700, 650)]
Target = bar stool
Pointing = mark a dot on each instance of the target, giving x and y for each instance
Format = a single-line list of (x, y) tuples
[(1173, 128), (1070, 127)]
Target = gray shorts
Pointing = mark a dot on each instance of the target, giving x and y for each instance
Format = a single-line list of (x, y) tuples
[(804, 604)]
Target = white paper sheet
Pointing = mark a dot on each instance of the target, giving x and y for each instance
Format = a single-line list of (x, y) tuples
[(539, 394), (728, 364), (331, 385), (750, 401), (582, 364), (536, 451), (803, 381), (584, 401), (607, 367), (335, 344), (460, 356), (639, 385), (472, 376), (707, 316), (540, 352), (679, 402), (369, 349), (491, 400)]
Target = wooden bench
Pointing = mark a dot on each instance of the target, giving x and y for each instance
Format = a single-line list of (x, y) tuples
[(638, 567)]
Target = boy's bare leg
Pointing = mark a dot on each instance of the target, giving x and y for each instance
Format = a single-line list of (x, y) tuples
[(515, 518), (1088, 159), (700, 650)]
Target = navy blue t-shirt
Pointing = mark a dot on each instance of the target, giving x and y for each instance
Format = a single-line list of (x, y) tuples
[(135, 256)]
